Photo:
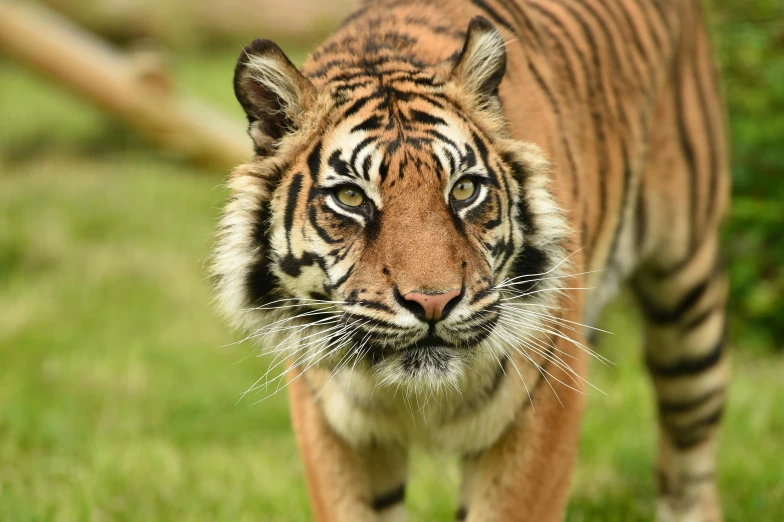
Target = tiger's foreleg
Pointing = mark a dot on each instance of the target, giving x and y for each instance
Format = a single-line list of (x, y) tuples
[(685, 354), (344, 484), (525, 476)]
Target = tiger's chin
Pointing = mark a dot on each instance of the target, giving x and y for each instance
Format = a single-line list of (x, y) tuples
[(430, 369)]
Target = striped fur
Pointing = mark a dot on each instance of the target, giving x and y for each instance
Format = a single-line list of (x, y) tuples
[(592, 132)]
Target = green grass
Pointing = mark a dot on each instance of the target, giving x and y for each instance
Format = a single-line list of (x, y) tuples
[(118, 394)]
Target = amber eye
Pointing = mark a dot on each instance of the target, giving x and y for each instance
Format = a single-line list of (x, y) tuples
[(463, 190), (350, 196)]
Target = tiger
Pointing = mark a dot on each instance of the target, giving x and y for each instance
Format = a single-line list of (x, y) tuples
[(441, 201)]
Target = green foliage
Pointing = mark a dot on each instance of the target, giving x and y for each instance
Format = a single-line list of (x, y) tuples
[(748, 36)]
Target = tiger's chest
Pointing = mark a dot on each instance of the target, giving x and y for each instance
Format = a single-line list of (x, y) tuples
[(461, 420)]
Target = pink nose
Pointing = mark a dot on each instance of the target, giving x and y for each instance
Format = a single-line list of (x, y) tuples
[(433, 304)]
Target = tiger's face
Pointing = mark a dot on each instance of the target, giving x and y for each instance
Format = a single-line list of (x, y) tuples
[(379, 223)]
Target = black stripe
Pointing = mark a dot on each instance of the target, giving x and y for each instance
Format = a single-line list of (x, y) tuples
[(348, 86), (635, 36), (425, 118), (261, 282), (568, 66), (321, 231), (373, 305), (688, 366), (698, 321), (437, 135), (609, 44), (314, 162), (291, 205), (682, 406), (341, 167), (657, 42), (377, 327), (360, 103), (530, 261), (520, 16), (517, 171), (667, 272), (705, 114), (715, 141), (687, 148), (662, 16), (342, 279), (437, 29), (661, 316), (685, 437), (361, 146), (462, 513), (571, 80), (373, 123), (496, 221), (624, 36), (640, 218), (388, 500), (687, 442), (492, 13), (605, 30), (625, 202)]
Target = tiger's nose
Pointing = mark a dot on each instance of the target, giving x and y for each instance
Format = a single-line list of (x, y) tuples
[(432, 304)]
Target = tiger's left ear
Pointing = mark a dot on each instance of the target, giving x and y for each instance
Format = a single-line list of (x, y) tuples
[(482, 62), (273, 93)]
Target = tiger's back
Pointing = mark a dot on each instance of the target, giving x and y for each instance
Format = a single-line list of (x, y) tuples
[(621, 95), (593, 143)]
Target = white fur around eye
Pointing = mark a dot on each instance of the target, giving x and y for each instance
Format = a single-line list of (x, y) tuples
[(338, 209), (483, 192)]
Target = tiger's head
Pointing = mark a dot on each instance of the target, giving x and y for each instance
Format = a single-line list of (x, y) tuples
[(388, 220)]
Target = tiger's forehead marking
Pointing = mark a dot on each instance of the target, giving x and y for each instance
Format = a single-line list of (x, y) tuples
[(390, 135)]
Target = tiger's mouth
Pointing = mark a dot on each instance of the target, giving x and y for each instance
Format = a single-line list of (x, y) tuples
[(377, 353), (423, 355), (431, 341)]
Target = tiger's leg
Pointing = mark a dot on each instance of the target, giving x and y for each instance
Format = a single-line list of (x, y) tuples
[(345, 485), (525, 476), (685, 355)]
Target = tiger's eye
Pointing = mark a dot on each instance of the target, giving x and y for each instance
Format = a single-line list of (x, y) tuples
[(350, 196), (464, 189)]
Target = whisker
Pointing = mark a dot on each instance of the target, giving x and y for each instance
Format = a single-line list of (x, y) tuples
[(560, 319), (298, 299), (541, 290), (562, 261), (514, 365), (509, 282), (545, 329)]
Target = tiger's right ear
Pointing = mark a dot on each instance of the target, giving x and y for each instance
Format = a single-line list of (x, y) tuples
[(272, 91)]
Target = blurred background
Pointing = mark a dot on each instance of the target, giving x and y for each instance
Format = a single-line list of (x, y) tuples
[(119, 388)]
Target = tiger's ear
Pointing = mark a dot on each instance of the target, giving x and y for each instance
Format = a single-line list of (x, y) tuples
[(272, 91), (482, 62)]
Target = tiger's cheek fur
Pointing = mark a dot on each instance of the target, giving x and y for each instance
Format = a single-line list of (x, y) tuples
[(303, 259)]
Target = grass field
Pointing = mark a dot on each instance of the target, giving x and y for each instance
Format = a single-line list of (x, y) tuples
[(118, 392)]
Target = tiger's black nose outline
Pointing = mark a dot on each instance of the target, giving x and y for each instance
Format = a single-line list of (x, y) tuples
[(429, 306)]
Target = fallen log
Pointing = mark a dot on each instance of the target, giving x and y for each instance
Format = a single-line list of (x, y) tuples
[(136, 90)]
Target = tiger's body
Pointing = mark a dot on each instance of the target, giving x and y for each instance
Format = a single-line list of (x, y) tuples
[(434, 213)]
